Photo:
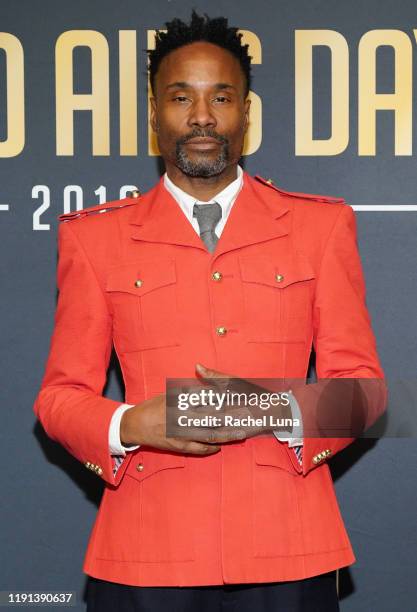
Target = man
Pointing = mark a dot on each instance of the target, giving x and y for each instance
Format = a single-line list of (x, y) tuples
[(210, 274)]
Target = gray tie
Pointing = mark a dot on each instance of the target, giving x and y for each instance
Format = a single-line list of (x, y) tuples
[(208, 216)]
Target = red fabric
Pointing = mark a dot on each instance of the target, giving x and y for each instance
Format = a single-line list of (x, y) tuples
[(249, 513)]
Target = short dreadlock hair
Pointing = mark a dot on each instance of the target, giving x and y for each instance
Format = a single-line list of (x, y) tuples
[(215, 31)]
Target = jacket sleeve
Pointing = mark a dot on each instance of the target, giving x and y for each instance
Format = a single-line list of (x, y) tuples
[(70, 404), (345, 349)]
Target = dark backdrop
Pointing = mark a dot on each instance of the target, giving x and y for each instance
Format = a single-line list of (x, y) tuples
[(49, 500)]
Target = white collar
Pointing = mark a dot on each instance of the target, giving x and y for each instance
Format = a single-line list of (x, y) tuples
[(225, 198)]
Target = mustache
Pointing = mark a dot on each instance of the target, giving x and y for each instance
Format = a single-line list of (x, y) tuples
[(199, 133)]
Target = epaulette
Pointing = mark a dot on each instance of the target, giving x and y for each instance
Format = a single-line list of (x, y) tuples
[(297, 194), (131, 199)]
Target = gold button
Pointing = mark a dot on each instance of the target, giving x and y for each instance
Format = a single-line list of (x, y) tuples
[(140, 467), (279, 278), (216, 276), (321, 456), (270, 181), (138, 283), (136, 193), (221, 331), (99, 470), (87, 464)]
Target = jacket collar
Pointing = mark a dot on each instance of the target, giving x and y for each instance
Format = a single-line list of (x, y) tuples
[(225, 198), (158, 218)]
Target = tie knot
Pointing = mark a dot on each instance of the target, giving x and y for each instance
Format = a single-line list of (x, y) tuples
[(207, 215)]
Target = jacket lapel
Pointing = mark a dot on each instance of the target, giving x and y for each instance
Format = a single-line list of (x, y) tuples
[(252, 219), (159, 218)]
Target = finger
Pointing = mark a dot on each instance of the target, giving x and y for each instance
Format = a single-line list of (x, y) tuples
[(217, 435), (214, 376), (209, 374), (196, 448), (192, 446)]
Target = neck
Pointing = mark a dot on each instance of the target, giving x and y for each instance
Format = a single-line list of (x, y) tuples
[(202, 189)]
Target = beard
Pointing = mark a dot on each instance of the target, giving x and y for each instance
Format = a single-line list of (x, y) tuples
[(203, 167)]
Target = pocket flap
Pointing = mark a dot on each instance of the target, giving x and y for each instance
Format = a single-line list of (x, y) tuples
[(141, 277), (268, 450), (146, 463), (165, 335), (279, 274)]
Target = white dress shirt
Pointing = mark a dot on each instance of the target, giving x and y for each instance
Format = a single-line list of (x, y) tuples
[(226, 199)]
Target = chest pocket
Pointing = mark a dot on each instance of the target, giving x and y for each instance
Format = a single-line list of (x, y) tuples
[(143, 301), (278, 296)]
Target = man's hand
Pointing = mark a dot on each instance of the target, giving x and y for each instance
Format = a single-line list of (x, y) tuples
[(145, 423), (241, 387)]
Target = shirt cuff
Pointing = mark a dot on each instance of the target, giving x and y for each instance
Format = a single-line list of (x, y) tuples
[(115, 445), (297, 438)]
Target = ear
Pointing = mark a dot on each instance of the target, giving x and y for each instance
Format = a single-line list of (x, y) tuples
[(153, 120)]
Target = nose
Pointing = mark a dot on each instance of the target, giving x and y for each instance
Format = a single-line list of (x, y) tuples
[(201, 114)]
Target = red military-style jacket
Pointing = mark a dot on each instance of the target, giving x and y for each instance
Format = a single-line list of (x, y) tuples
[(289, 278)]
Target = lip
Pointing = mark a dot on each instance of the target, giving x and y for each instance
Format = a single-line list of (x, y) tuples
[(202, 143)]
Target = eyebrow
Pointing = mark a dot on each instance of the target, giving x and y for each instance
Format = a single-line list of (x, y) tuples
[(185, 85)]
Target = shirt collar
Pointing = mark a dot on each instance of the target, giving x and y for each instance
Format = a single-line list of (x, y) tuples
[(225, 198)]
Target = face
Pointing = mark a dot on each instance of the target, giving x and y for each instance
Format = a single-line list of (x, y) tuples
[(200, 113)]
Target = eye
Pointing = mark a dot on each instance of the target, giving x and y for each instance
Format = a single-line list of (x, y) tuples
[(180, 99), (221, 99)]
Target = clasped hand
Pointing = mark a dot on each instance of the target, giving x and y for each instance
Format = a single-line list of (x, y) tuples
[(204, 427)]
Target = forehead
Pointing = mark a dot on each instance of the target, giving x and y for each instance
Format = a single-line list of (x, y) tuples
[(198, 64)]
